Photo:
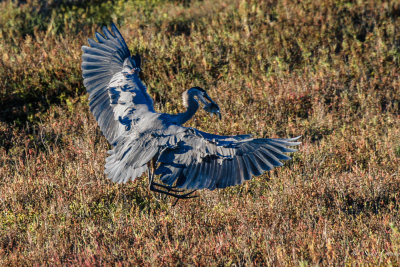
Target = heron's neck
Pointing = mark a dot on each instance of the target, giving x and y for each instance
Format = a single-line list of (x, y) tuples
[(190, 111)]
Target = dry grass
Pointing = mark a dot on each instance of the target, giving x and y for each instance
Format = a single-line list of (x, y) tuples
[(328, 70)]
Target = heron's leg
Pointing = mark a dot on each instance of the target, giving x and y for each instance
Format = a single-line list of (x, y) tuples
[(152, 187), (152, 183), (169, 188), (151, 165), (182, 196)]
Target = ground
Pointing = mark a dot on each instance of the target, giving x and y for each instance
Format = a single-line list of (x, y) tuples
[(327, 70)]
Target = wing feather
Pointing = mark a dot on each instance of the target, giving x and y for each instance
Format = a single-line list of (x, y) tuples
[(239, 179), (228, 179), (270, 157), (192, 173)]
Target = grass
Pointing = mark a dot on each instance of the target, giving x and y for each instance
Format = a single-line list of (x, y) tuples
[(325, 69)]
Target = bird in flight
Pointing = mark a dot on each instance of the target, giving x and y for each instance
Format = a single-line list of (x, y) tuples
[(185, 159)]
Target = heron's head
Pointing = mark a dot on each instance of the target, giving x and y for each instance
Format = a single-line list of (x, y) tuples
[(132, 63), (209, 105)]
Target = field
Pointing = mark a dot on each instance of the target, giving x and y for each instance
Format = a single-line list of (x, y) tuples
[(327, 70)]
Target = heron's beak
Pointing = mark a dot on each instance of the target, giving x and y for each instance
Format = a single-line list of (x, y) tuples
[(210, 106), (218, 114)]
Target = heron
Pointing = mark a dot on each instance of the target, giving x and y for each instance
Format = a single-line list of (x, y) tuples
[(185, 159)]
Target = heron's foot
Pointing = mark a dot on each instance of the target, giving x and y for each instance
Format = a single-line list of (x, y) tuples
[(169, 188), (173, 194)]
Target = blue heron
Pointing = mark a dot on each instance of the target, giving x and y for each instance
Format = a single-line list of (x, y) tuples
[(185, 159)]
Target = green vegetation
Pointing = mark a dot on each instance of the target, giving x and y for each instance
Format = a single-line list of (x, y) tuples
[(325, 69)]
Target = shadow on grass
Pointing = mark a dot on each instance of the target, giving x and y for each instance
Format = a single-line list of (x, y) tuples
[(355, 205), (18, 109), (381, 203)]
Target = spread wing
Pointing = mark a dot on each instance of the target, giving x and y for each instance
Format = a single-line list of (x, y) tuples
[(111, 79), (200, 160), (191, 159)]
